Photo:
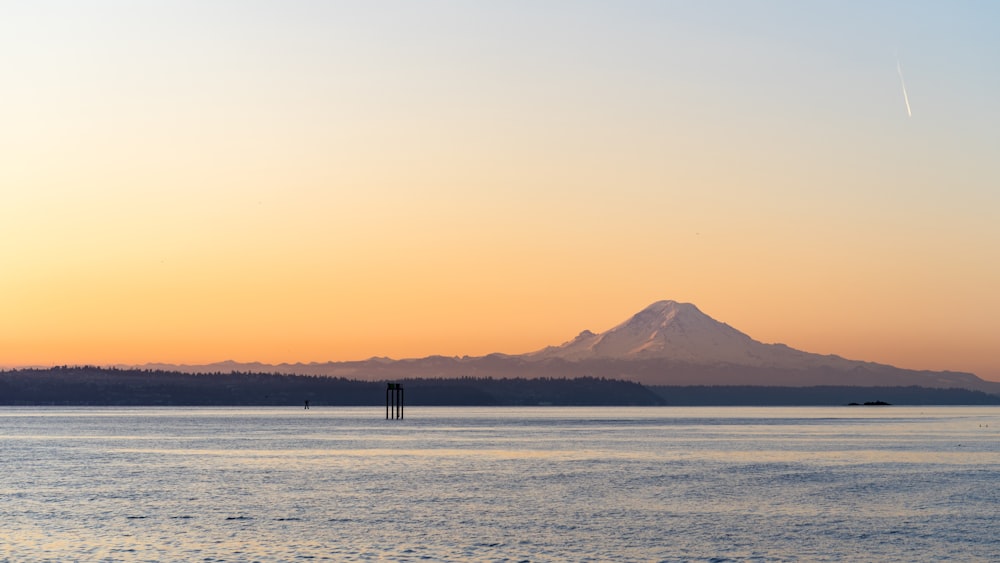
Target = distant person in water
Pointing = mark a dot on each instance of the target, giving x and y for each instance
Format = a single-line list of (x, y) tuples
[(307, 403)]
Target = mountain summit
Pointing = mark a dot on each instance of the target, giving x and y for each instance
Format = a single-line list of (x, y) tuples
[(682, 333), (665, 329), (675, 343), (667, 343)]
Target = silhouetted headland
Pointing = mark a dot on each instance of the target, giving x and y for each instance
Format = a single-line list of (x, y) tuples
[(88, 385)]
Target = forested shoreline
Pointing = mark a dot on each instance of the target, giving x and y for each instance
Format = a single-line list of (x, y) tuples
[(97, 386)]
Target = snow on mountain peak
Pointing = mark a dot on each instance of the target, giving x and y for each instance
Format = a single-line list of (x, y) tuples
[(674, 331), (663, 313)]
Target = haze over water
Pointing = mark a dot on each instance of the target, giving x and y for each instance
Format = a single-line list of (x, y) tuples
[(500, 484)]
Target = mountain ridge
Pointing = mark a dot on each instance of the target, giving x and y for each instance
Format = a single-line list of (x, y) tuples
[(666, 343), (682, 332)]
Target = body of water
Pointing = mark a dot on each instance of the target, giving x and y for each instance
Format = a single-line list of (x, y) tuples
[(500, 484)]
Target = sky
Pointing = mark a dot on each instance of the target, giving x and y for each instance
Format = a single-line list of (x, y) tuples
[(304, 181)]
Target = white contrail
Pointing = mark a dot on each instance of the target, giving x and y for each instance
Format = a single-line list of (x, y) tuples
[(906, 99)]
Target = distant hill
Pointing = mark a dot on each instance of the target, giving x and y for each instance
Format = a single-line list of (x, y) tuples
[(741, 395), (667, 343)]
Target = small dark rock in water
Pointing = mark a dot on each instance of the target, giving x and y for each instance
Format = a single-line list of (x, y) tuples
[(869, 404)]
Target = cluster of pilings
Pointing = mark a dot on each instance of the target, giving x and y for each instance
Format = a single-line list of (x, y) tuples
[(394, 401)]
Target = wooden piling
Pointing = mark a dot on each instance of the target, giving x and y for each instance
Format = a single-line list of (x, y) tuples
[(393, 401)]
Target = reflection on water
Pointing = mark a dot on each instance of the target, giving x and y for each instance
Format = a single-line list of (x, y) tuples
[(492, 484)]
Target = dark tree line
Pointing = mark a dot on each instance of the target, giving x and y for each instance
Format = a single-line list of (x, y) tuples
[(89, 385), (579, 391)]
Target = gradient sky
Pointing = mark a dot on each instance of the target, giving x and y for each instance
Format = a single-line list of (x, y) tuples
[(284, 181)]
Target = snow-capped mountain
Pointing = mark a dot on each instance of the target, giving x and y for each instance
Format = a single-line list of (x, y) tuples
[(681, 332), (667, 343)]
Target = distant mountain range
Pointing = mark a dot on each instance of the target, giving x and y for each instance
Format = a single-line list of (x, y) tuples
[(665, 344)]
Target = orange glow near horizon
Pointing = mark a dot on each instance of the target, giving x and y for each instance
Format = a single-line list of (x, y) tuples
[(354, 184)]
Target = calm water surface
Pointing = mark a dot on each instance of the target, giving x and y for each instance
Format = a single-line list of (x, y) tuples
[(500, 484)]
